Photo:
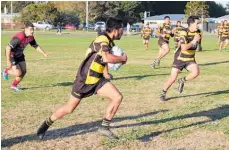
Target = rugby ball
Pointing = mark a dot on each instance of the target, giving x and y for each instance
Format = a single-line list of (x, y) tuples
[(117, 51)]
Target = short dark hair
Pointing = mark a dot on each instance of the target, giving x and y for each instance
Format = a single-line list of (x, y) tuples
[(192, 19), (178, 21), (166, 17), (28, 24), (113, 23)]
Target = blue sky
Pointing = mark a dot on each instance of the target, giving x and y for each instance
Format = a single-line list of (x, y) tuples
[(222, 2)]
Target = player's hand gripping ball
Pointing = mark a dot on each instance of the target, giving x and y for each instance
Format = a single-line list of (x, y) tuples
[(117, 51)]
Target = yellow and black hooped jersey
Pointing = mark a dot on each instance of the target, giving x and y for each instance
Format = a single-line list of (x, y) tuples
[(225, 32), (177, 30), (146, 32), (200, 33), (91, 69), (165, 29), (186, 37), (220, 30)]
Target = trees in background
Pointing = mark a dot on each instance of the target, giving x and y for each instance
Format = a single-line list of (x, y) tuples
[(17, 5), (129, 11), (227, 7), (197, 8), (216, 10), (40, 11)]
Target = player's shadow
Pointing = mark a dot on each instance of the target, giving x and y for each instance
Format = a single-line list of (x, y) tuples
[(73, 130), (212, 114), (138, 77), (79, 129), (206, 94), (214, 63)]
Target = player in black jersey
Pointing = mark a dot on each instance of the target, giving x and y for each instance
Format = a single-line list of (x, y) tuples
[(164, 32), (90, 80), (184, 57)]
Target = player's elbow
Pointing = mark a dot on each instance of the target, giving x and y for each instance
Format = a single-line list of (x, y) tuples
[(183, 47), (8, 48), (105, 60)]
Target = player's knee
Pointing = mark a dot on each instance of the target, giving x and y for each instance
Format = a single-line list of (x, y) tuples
[(166, 50), (18, 73), (196, 73), (118, 98), (23, 72)]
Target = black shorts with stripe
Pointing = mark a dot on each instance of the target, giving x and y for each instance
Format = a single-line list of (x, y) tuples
[(146, 37), (182, 64), (222, 39), (162, 41), (81, 90), (15, 60)]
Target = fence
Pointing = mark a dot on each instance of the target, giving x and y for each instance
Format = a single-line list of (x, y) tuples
[(14, 26)]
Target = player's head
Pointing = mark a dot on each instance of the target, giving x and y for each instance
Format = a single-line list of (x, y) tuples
[(225, 22), (178, 23), (167, 19), (29, 28), (114, 28), (147, 24), (221, 23), (193, 23)]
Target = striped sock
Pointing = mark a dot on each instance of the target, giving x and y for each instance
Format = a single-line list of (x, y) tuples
[(106, 123), (160, 58), (183, 79), (155, 61), (163, 93), (48, 121)]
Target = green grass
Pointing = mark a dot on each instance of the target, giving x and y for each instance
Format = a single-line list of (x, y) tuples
[(196, 119)]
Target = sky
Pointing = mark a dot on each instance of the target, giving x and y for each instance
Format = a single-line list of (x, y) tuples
[(222, 2)]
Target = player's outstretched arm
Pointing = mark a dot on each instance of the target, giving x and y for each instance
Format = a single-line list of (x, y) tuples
[(38, 48)]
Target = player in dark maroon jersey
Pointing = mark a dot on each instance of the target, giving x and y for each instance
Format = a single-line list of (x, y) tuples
[(15, 58)]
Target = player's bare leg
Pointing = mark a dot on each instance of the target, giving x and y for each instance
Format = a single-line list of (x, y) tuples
[(169, 82), (163, 51), (115, 98), (194, 72), (65, 109)]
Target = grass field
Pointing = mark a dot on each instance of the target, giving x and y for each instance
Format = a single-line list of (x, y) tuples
[(197, 119)]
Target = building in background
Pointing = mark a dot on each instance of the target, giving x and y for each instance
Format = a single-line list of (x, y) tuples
[(154, 21)]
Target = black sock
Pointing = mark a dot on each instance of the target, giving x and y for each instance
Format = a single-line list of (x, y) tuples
[(106, 123), (48, 121)]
